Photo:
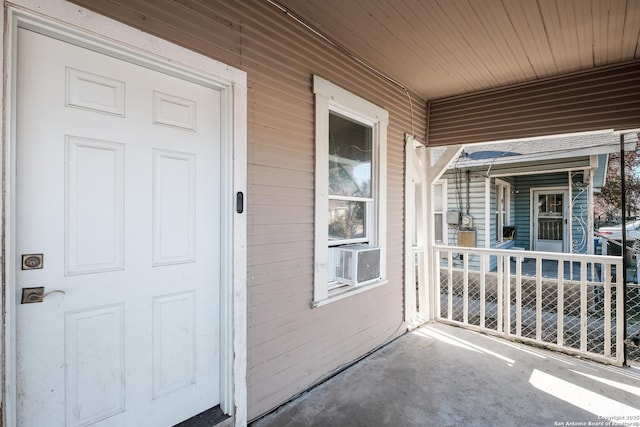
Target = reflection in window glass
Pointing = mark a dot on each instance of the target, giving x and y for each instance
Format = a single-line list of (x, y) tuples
[(346, 219), (437, 197), (550, 204), (438, 227), (350, 158), (503, 190)]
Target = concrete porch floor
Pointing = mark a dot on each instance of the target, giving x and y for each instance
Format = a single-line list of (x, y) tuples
[(440, 375)]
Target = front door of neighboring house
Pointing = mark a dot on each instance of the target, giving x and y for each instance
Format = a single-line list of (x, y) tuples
[(549, 220), (118, 219)]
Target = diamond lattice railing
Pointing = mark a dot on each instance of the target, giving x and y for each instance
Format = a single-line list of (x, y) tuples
[(563, 301), (633, 322)]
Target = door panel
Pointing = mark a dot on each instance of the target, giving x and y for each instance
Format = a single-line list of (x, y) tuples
[(118, 187), (94, 220)]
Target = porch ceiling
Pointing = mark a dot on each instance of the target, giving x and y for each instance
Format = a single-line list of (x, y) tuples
[(440, 48)]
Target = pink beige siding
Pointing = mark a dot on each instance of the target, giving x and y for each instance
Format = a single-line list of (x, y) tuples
[(290, 345), (604, 98)]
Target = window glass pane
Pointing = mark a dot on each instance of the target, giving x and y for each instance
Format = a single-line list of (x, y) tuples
[(438, 227), (437, 197), (346, 219), (350, 157), (550, 204)]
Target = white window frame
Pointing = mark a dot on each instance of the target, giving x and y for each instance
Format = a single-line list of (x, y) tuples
[(503, 208), (332, 98)]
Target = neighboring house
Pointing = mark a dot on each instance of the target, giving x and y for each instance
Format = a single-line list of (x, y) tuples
[(528, 194), (184, 181)]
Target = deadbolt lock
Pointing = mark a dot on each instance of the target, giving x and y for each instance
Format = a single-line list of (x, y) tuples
[(32, 261)]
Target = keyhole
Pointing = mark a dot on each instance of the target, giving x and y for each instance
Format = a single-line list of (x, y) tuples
[(32, 261)]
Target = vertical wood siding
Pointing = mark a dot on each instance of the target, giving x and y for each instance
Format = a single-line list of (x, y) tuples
[(290, 345), (604, 98)]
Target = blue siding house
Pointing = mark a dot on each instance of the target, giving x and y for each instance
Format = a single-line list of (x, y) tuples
[(527, 194)]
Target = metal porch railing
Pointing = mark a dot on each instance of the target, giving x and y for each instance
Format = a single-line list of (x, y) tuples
[(568, 302)]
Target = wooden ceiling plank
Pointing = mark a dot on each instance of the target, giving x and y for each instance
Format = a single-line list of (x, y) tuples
[(527, 22), (584, 32), (388, 43), (453, 42), (341, 26), (453, 65), (549, 13), (505, 38), (465, 54), (637, 50), (424, 23), (480, 39), (405, 39), (568, 25), (615, 30), (631, 30), (600, 11), (417, 16)]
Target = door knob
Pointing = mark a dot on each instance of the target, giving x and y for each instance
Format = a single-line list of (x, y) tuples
[(32, 295)]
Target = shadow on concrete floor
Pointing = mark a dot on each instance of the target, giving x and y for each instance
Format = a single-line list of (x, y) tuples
[(440, 375)]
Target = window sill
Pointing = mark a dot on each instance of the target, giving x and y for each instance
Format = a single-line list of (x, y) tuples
[(343, 292), (507, 244)]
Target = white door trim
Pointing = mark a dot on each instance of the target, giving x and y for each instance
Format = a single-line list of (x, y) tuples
[(68, 22)]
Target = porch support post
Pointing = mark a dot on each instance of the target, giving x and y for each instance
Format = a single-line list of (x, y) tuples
[(410, 224), (487, 223), (570, 214), (623, 202), (416, 227), (433, 173), (590, 216), (426, 304)]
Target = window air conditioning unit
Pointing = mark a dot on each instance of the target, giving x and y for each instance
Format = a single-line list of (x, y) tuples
[(357, 264)]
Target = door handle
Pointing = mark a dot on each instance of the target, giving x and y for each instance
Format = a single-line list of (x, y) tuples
[(32, 295)]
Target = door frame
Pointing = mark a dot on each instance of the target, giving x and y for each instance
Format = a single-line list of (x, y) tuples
[(565, 214), (72, 23)]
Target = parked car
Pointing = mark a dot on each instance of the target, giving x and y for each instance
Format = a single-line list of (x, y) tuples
[(614, 232), (610, 241)]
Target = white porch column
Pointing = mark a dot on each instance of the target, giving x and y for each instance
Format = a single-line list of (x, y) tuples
[(410, 223), (434, 169), (590, 218)]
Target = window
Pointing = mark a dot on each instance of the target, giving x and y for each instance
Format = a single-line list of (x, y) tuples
[(350, 196), (350, 192), (439, 210), (503, 198)]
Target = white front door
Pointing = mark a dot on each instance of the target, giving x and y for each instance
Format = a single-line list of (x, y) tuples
[(550, 218), (118, 189)]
